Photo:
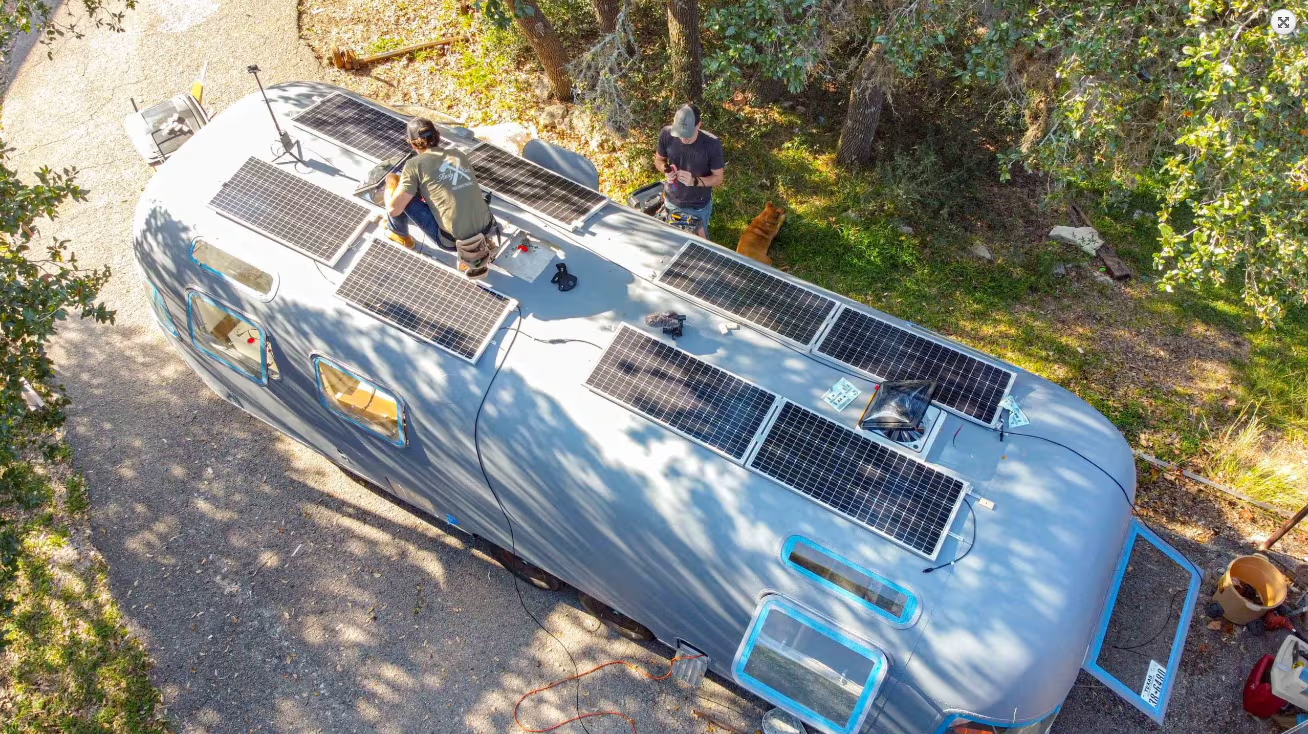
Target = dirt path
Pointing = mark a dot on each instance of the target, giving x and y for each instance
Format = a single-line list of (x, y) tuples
[(274, 594)]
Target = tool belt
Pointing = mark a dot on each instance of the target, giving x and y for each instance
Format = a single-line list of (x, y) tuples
[(474, 255)]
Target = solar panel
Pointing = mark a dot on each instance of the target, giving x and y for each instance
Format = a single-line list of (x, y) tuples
[(426, 299), (528, 185), (690, 396), (903, 499), (747, 292), (356, 125), (289, 209), (966, 384)]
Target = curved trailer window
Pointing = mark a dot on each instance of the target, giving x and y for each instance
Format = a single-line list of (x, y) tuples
[(359, 401), (809, 667), (883, 596), (230, 338), (223, 263), (161, 312)]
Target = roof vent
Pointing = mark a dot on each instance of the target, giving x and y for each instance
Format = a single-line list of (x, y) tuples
[(902, 412)]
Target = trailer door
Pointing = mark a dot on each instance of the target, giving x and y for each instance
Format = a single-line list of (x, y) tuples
[(1137, 649)]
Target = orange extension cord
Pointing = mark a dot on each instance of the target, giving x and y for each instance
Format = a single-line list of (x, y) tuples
[(630, 720)]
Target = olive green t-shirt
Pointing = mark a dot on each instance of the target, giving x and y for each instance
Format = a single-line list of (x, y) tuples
[(446, 180)]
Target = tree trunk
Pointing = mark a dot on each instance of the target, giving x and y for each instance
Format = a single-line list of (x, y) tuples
[(545, 42), (684, 47), (606, 12), (866, 95)]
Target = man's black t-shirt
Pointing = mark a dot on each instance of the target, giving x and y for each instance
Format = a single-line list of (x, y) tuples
[(701, 158)]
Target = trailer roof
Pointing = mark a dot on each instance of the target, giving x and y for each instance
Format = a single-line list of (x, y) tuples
[(1005, 630)]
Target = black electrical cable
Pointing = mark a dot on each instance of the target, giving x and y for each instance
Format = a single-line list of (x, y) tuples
[(1125, 495), (972, 511), (513, 543), (1171, 606)]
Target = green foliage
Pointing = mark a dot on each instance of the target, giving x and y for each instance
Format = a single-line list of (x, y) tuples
[(775, 39), (384, 44), (1203, 99), (67, 664), (38, 289), (36, 16)]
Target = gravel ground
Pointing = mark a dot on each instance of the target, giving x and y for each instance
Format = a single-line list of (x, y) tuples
[(275, 594)]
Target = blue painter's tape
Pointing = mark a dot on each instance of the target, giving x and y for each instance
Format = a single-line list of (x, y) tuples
[(400, 440), (1139, 531), (776, 604), (911, 605), (262, 377)]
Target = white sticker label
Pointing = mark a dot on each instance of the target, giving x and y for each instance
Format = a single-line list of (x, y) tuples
[(1152, 691), (841, 394)]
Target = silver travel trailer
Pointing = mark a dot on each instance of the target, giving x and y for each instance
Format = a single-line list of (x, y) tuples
[(714, 489)]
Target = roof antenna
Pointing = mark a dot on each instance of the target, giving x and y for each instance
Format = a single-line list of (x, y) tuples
[(290, 146)]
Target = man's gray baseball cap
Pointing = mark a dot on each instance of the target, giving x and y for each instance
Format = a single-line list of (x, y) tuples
[(683, 123)]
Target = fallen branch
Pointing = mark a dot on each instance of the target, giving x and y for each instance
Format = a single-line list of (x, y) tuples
[(1187, 474)]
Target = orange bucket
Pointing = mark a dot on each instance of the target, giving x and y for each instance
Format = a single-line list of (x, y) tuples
[(1257, 573)]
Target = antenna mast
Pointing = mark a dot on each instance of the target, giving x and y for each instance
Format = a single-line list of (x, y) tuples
[(290, 146)]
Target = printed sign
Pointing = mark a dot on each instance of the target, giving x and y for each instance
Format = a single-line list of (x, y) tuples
[(1152, 690), (841, 394)]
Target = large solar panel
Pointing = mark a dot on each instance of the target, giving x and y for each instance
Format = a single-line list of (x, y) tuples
[(747, 292), (426, 299), (692, 397), (903, 499), (528, 185), (966, 384), (289, 209), (356, 125)]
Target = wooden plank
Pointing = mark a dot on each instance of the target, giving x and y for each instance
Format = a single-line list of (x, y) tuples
[(1117, 270)]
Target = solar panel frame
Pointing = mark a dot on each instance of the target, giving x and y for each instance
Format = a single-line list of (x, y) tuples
[(486, 178), (949, 395), (628, 335), (394, 141), (450, 279), (296, 194), (815, 327), (819, 464)]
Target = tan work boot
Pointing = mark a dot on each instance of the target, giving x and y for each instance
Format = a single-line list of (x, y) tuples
[(403, 239)]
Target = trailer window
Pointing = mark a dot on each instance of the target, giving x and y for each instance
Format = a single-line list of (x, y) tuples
[(161, 311), (359, 401), (230, 338), (883, 596), (231, 267), (809, 667)]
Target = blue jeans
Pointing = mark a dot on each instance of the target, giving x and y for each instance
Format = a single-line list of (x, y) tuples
[(420, 214), (703, 214)]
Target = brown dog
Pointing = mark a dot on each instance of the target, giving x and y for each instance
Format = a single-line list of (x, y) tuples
[(758, 236)]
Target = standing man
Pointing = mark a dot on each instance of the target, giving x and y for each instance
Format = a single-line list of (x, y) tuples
[(452, 210), (692, 160)]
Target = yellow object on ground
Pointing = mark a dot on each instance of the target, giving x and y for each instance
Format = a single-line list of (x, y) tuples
[(1258, 573)]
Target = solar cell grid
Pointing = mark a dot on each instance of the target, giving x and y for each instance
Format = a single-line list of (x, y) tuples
[(745, 291), (356, 125), (707, 404), (536, 188), (966, 384), (289, 209), (905, 500), (426, 299)]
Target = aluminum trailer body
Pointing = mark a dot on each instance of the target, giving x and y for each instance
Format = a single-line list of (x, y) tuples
[(695, 546)]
